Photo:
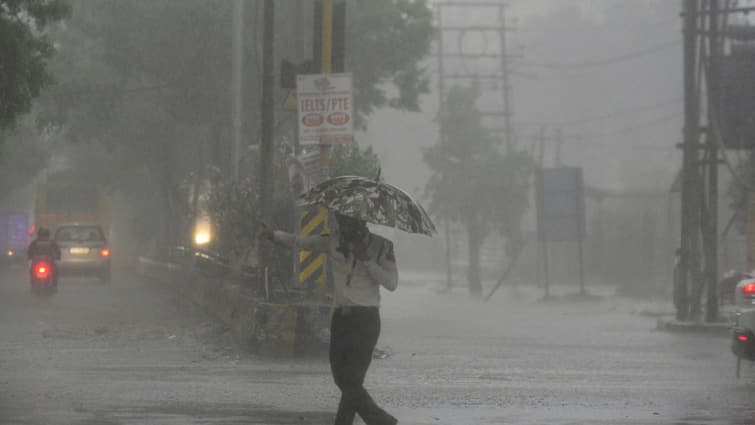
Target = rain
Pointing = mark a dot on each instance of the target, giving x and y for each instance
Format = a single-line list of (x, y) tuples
[(447, 212)]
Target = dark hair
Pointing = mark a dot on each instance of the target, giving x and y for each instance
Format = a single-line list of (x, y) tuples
[(43, 232), (350, 230)]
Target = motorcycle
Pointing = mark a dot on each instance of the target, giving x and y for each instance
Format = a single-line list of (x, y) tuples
[(743, 332), (43, 276)]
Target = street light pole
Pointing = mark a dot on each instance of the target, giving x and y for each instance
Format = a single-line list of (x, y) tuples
[(265, 183), (327, 62), (237, 85)]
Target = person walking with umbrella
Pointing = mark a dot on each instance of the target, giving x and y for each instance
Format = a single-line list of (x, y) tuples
[(361, 262)]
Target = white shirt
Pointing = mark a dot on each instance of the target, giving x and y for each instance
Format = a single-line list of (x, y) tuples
[(367, 276)]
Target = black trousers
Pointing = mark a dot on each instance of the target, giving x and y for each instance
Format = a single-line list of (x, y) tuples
[(354, 331)]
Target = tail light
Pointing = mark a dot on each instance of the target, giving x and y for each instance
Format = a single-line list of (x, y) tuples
[(749, 289), (105, 253), (743, 338), (42, 270)]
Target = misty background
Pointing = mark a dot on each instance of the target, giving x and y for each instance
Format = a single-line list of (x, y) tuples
[(600, 80), (608, 76)]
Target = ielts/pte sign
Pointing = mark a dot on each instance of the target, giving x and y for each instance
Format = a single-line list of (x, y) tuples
[(325, 108)]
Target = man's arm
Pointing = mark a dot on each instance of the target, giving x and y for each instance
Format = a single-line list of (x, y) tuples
[(383, 268), (308, 243)]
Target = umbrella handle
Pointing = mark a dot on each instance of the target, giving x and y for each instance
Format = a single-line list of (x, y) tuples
[(351, 272)]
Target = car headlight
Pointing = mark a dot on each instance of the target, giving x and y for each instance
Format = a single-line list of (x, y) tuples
[(202, 238), (202, 232)]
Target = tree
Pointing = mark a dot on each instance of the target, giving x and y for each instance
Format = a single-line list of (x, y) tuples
[(350, 160), (24, 155), (473, 182), (149, 80), (380, 69), (24, 52)]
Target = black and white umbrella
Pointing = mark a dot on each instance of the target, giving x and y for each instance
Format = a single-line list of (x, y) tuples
[(370, 200)]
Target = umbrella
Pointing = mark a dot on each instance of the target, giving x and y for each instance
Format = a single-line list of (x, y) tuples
[(370, 200)]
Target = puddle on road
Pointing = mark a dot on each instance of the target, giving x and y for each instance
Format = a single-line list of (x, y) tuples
[(193, 413)]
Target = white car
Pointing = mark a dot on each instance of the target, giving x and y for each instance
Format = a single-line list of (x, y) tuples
[(83, 251)]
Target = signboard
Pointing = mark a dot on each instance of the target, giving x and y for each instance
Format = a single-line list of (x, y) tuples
[(326, 108), (304, 171), (560, 204)]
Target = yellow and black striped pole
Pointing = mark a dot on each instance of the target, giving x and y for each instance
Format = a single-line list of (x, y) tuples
[(313, 267)]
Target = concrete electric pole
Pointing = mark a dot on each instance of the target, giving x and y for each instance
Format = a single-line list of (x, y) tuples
[(237, 85)]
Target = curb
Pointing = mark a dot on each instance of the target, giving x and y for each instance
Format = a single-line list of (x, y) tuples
[(720, 329)]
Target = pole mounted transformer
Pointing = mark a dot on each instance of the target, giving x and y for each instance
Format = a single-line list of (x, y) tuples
[(719, 64)]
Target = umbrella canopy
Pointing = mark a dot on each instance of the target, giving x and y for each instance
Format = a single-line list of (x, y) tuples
[(372, 201)]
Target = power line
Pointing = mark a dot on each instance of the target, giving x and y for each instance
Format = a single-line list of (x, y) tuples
[(609, 60), (634, 127), (607, 116)]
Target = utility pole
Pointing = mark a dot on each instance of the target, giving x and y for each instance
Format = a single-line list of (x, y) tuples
[(451, 57), (714, 125), (449, 61), (539, 193), (581, 235), (237, 85), (706, 29), (268, 121), (508, 113), (329, 47), (326, 63), (690, 208), (442, 135)]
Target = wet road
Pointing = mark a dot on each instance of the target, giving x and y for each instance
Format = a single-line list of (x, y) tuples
[(128, 353)]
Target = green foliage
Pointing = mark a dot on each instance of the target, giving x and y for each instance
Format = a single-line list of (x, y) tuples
[(350, 160), (24, 154), (388, 38), (473, 182), (231, 206), (233, 210), (24, 52), (150, 79)]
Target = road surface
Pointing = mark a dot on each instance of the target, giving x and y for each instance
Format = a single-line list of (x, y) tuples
[(130, 353)]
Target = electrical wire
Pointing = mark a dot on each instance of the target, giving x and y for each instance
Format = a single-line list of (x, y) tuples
[(607, 116), (638, 126), (606, 61)]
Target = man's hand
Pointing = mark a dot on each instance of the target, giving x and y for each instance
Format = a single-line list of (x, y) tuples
[(359, 250), (265, 232)]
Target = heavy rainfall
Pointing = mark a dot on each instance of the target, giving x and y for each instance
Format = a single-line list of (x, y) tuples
[(447, 212)]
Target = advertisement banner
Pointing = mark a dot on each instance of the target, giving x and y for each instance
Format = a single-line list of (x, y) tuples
[(326, 108)]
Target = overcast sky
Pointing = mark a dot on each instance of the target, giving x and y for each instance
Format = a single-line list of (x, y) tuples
[(606, 72)]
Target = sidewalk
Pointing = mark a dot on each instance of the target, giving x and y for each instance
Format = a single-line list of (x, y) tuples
[(720, 329)]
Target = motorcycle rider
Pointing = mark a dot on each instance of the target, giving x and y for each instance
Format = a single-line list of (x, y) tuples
[(43, 246)]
